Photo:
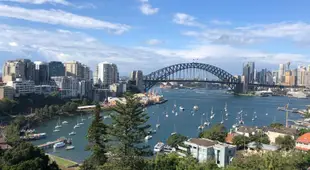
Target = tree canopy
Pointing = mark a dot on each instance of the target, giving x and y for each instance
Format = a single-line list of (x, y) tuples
[(286, 142), (176, 139), (216, 132)]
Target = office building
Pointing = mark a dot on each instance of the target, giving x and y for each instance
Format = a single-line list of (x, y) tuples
[(269, 78), (289, 79), (85, 89), (87, 73), (301, 75), (107, 74), (74, 69), (41, 73), (249, 71), (275, 77), (55, 69), (206, 149), (22, 87), (307, 79), (20, 68), (68, 86), (294, 75), (45, 89), (7, 92), (281, 73)]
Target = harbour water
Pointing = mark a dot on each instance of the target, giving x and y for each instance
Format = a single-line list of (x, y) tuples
[(185, 122)]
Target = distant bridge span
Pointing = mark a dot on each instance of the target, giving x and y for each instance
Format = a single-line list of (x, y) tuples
[(162, 75)]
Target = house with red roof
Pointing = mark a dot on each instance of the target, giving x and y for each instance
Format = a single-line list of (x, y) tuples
[(303, 142)]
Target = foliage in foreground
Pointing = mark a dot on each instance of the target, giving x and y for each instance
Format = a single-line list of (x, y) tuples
[(216, 132), (25, 156), (176, 139)]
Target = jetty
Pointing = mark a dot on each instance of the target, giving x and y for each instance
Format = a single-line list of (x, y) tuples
[(50, 144)]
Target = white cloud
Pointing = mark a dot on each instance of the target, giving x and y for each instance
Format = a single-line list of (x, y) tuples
[(62, 2), (154, 42), (59, 17), (185, 19), (298, 32), (218, 22), (13, 44), (147, 9)]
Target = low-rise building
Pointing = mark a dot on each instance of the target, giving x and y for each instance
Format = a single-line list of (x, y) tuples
[(22, 87), (303, 142), (7, 92), (252, 147), (45, 89), (246, 130), (273, 133), (206, 149), (118, 88)]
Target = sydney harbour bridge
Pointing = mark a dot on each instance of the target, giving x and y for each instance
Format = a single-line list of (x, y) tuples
[(198, 72)]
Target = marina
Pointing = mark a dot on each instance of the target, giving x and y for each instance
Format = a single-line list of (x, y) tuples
[(211, 109)]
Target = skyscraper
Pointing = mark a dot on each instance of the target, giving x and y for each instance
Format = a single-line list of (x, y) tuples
[(20, 68), (74, 69), (249, 72), (56, 68), (41, 72), (107, 74), (281, 73)]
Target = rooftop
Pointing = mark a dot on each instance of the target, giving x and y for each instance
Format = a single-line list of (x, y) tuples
[(202, 142), (264, 147), (305, 138), (283, 130), (229, 138), (246, 129)]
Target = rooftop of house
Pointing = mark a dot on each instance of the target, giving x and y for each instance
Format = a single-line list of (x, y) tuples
[(229, 138), (202, 142), (305, 138), (246, 129), (266, 147), (283, 130)]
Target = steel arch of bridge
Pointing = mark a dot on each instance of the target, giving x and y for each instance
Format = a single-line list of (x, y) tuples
[(163, 74)]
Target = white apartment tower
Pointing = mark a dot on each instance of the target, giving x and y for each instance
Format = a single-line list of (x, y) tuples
[(107, 74)]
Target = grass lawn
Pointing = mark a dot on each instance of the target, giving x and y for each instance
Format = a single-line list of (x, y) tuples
[(63, 163)]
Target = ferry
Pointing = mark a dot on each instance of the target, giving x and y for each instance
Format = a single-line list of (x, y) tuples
[(59, 145), (159, 147), (70, 147)]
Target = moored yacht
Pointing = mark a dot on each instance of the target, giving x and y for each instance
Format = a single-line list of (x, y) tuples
[(64, 122), (59, 145), (148, 137), (72, 133), (159, 147)]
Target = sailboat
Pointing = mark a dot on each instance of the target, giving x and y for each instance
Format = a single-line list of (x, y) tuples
[(176, 113), (58, 124), (175, 105), (82, 119), (72, 133), (167, 114), (222, 119), (201, 125), (158, 124), (241, 121), (206, 123), (225, 109), (174, 130), (212, 114), (77, 124)]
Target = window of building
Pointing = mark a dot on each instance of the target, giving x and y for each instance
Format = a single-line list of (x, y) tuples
[(218, 157)]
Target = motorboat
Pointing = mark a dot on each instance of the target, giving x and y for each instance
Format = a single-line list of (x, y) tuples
[(206, 123), (222, 122), (64, 122), (56, 130), (59, 145), (173, 133), (195, 108), (157, 125), (200, 127), (181, 108), (176, 113), (76, 126), (159, 147), (167, 115), (148, 137), (81, 123), (212, 116), (72, 133), (70, 147)]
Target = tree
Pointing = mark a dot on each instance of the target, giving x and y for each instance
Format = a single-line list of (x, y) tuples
[(128, 131), (303, 131), (286, 142), (241, 141), (98, 138), (276, 125), (12, 134), (176, 139), (85, 102), (216, 132), (26, 156), (259, 138)]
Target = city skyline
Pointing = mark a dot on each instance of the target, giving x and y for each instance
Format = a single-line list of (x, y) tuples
[(151, 34)]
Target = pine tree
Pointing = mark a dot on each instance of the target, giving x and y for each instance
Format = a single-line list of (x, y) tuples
[(97, 138), (129, 130)]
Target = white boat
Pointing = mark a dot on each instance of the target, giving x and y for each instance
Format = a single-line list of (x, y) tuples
[(72, 133), (173, 133), (206, 123), (253, 119), (195, 108), (225, 109), (212, 116), (212, 111), (58, 124), (181, 108), (172, 111), (148, 137), (81, 123), (158, 124), (200, 127), (70, 147), (59, 145), (64, 122), (176, 113), (56, 130), (235, 125), (159, 147), (154, 131), (167, 115), (266, 114), (76, 126), (226, 114)]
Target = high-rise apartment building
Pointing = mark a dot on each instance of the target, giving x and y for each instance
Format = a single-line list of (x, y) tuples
[(20, 68), (56, 68), (77, 69), (41, 73), (249, 71), (301, 76), (107, 74)]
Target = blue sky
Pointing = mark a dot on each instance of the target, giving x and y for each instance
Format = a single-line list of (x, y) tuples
[(150, 34)]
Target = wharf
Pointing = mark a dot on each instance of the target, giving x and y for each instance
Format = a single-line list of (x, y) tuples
[(48, 145)]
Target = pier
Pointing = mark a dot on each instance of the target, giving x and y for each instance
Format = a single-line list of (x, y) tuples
[(50, 144)]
